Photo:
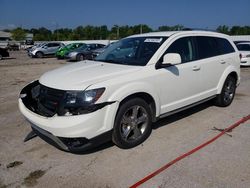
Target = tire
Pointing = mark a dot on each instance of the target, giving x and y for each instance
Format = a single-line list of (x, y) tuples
[(39, 54), (80, 57), (130, 131), (226, 96), (1, 57)]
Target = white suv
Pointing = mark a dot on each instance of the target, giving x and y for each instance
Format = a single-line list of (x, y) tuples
[(133, 83)]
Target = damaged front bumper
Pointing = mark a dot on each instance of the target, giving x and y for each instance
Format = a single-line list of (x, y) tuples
[(74, 145), (68, 132)]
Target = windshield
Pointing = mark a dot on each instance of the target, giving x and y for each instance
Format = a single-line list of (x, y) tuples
[(132, 51), (83, 46)]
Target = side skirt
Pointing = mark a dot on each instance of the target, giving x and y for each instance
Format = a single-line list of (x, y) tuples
[(185, 107)]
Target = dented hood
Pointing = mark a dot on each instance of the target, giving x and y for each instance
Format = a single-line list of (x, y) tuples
[(79, 76)]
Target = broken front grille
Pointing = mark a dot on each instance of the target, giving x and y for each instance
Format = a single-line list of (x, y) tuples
[(49, 100), (42, 100)]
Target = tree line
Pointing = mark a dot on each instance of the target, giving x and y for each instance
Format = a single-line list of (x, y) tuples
[(90, 32)]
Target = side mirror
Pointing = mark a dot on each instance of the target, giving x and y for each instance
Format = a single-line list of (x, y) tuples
[(171, 59)]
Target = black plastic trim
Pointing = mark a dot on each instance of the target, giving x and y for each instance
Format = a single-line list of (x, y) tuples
[(185, 107), (63, 143)]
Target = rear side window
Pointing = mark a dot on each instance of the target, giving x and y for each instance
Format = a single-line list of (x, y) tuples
[(207, 47), (184, 47), (213, 46), (243, 47), (224, 46)]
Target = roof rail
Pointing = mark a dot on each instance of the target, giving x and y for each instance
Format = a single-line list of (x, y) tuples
[(197, 29)]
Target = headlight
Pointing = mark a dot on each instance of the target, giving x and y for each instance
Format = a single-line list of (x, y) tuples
[(83, 97), (78, 102)]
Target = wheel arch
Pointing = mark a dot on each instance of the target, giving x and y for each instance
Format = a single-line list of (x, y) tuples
[(39, 52), (147, 98), (126, 92), (230, 71)]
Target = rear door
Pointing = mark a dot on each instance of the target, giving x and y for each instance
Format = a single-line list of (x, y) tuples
[(213, 58), (52, 48)]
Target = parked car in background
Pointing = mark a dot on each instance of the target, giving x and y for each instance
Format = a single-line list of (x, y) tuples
[(45, 49), (98, 51), (13, 46), (240, 41), (60, 53), (132, 84), (29, 42), (4, 53), (84, 52), (31, 48), (244, 49)]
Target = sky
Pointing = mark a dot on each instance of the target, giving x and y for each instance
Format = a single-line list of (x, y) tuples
[(54, 14)]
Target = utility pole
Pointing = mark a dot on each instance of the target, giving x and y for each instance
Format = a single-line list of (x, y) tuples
[(117, 31), (56, 31), (141, 28)]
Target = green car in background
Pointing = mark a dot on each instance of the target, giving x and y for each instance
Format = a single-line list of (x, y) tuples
[(61, 52)]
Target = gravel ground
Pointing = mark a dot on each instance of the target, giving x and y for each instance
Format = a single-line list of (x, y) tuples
[(224, 163)]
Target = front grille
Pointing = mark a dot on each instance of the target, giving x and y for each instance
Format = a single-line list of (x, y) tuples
[(49, 100), (42, 100)]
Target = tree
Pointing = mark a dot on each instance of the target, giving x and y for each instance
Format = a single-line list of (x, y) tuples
[(41, 34), (223, 29), (18, 34), (141, 28), (171, 28)]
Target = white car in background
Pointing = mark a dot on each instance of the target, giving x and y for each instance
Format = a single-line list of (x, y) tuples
[(244, 49), (134, 82)]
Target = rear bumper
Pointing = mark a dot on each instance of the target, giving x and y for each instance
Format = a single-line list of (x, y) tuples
[(60, 56), (245, 61), (70, 58), (74, 145)]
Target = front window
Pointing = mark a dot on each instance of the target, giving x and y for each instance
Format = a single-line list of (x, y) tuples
[(132, 51)]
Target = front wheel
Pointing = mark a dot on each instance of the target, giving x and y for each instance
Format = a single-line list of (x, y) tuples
[(39, 54), (132, 124), (80, 57), (226, 96)]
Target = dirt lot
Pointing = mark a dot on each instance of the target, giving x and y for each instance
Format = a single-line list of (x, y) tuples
[(224, 163)]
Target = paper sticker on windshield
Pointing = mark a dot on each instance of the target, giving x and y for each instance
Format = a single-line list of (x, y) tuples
[(155, 40)]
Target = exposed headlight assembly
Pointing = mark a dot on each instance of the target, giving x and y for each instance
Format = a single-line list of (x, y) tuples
[(48, 101), (79, 102)]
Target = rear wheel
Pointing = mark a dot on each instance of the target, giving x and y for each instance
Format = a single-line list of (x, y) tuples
[(226, 96), (80, 57), (39, 54), (132, 124)]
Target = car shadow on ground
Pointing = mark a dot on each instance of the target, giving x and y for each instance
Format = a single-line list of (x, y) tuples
[(97, 149), (8, 58), (162, 122), (182, 114)]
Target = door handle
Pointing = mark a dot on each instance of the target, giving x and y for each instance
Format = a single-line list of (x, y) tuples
[(196, 68), (222, 62)]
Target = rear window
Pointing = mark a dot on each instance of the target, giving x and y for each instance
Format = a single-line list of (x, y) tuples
[(243, 47)]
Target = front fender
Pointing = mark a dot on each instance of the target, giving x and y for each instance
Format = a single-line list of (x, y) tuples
[(136, 87), (121, 93)]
